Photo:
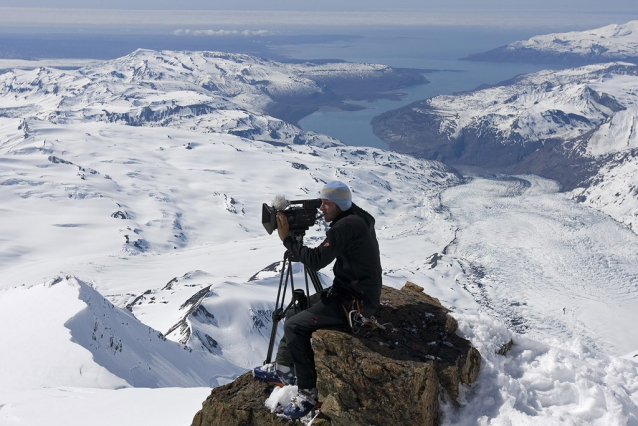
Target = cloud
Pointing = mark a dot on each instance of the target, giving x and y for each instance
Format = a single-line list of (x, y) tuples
[(222, 33)]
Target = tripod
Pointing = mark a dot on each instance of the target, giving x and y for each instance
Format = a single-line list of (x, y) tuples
[(299, 299)]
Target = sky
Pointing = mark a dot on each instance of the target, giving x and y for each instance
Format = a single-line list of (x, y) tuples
[(572, 14), (330, 5)]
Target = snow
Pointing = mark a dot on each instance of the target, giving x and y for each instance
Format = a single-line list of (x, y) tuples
[(614, 190), (280, 397), (543, 382), (592, 110), (523, 110), (50, 342), (522, 245), (546, 265), (135, 273), (102, 407), (618, 134), (612, 41)]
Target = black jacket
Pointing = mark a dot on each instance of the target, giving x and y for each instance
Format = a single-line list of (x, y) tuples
[(352, 240)]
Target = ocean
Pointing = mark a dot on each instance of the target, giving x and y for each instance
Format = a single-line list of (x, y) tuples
[(437, 48), (429, 48)]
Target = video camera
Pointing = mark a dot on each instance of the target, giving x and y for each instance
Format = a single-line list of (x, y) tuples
[(301, 214)]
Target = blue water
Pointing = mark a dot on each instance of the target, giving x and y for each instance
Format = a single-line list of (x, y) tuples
[(79, 45), (424, 48)]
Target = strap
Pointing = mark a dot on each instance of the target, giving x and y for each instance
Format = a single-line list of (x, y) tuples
[(356, 320)]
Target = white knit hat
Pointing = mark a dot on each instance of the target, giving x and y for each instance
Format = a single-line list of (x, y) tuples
[(338, 193)]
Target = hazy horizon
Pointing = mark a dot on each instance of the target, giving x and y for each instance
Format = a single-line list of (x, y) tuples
[(333, 5), (140, 15)]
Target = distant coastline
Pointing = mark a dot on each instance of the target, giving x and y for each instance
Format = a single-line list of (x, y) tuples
[(338, 91), (531, 56)]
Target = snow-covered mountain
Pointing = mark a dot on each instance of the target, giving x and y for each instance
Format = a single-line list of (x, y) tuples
[(165, 224), (610, 43), (614, 189), (566, 125), (203, 91), (135, 272)]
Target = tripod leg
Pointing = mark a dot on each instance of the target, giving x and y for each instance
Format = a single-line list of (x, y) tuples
[(315, 280), (278, 314), (271, 344)]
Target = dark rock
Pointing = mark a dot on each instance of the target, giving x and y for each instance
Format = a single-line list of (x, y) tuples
[(191, 306), (414, 130), (299, 166), (375, 377), (503, 350), (238, 403), (120, 215), (362, 387), (56, 160)]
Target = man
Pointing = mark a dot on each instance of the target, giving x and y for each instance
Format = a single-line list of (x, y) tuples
[(351, 240)]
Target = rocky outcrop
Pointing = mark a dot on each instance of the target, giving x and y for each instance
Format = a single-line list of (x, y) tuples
[(374, 377)]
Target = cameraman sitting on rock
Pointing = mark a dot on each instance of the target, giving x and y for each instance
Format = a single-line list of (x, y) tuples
[(351, 240)]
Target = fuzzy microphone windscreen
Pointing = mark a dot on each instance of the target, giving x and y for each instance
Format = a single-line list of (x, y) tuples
[(280, 202)]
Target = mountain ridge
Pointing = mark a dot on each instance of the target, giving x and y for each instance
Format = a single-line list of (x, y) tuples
[(209, 91), (564, 125), (615, 42)]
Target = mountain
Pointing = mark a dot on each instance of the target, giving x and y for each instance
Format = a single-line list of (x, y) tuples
[(205, 91), (155, 236), (112, 346), (135, 272), (614, 189), (113, 189), (565, 125), (610, 43)]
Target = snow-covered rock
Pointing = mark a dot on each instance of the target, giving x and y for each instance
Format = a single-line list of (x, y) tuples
[(614, 189), (82, 339), (616, 42)]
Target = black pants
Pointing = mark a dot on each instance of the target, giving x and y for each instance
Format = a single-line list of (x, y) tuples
[(295, 349)]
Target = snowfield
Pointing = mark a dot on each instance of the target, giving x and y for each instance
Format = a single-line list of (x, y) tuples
[(135, 273), (609, 43), (544, 265)]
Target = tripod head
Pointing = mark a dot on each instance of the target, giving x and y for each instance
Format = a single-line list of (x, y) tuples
[(298, 236)]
